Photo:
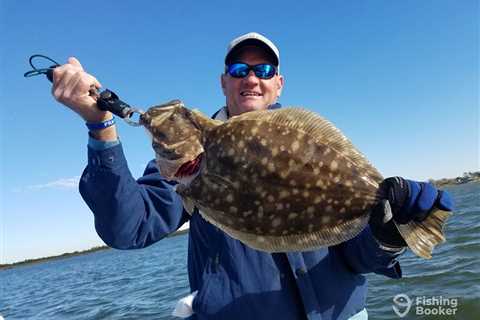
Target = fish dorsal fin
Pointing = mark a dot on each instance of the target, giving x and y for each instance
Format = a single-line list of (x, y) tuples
[(322, 130)]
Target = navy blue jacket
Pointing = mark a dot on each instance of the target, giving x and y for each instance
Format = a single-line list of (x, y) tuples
[(233, 281)]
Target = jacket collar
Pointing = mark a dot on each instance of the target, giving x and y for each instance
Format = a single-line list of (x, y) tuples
[(222, 114)]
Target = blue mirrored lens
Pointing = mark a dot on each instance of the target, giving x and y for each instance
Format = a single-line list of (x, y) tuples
[(262, 71), (239, 70)]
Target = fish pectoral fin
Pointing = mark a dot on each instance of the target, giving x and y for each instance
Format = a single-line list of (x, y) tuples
[(188, 205), (422, 237)]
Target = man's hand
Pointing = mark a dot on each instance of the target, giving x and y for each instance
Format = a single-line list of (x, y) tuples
[(71, 86), (409, 201)]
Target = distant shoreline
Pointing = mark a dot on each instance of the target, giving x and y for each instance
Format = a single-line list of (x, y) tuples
[(67, 255), (466, 178)]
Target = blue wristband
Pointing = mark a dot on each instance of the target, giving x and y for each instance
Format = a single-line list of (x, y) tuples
[(100, 125)]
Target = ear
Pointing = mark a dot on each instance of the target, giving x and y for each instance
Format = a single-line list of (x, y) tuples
[(280, 83), (222, 83)]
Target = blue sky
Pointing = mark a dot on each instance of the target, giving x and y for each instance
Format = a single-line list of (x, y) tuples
[(399, 78)]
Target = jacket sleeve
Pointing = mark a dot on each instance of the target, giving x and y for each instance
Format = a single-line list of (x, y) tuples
[(128, 213), (364, 254)]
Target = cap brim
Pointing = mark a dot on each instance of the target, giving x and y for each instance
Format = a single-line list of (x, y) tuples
[(231, 56)]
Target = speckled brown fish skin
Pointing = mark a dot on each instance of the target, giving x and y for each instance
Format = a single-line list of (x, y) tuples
[(282, 180), (270, 181)]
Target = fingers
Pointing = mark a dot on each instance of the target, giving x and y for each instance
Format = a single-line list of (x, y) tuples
[(72, 86), (74, 61)]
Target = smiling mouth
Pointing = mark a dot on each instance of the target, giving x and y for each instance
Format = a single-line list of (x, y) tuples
[(250, 94), (189, 168)]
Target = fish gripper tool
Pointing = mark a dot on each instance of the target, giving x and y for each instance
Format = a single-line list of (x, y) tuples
[(107, 100)]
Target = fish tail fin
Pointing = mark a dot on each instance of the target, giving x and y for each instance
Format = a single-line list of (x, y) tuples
[(422, 237)]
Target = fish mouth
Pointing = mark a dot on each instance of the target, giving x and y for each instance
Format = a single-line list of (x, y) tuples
[(189, 168)]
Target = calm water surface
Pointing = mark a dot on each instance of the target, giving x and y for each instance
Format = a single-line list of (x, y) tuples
[(145, 284)]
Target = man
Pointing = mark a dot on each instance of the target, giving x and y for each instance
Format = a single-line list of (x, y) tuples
[(234, 281)]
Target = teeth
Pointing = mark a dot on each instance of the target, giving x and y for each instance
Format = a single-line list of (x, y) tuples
[(250, 94)]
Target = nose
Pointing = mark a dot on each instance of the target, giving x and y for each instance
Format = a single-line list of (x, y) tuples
[(251, 78)]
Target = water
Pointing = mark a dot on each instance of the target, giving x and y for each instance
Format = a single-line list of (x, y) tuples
[(145, 284)]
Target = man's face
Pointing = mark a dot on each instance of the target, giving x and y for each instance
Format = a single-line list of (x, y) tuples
[(250, 93)]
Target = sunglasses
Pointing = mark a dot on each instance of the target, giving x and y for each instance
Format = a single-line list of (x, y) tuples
[(241, 70)]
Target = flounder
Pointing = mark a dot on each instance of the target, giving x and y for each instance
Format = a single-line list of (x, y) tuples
[(277, 180)]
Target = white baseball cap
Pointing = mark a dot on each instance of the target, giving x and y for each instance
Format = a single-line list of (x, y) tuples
[(253, 39)]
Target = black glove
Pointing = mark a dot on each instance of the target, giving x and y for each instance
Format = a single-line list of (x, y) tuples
[(409, 201)]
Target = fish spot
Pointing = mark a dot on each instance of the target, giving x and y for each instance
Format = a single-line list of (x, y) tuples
[(295, 145), (233, 209), (291, 163), (310, 209), (241, 144), (247, 213), (264, 160), (279, 206), (260, 213), (336, 179), (317, 199), (348, 202), (293, 183), (254, 130), (326, 219), (283, 194), (276, 222), (342, 210), (333, 165), (263, 142), (271, 167), (295, 191), (274, 151), (282, 148), (231, 152), (292, 215), (229, 198), (348, 183), (305, 194), (316, 171), (270, 198), (261, 239), (284, 174), (326, 151), (328, 208)]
